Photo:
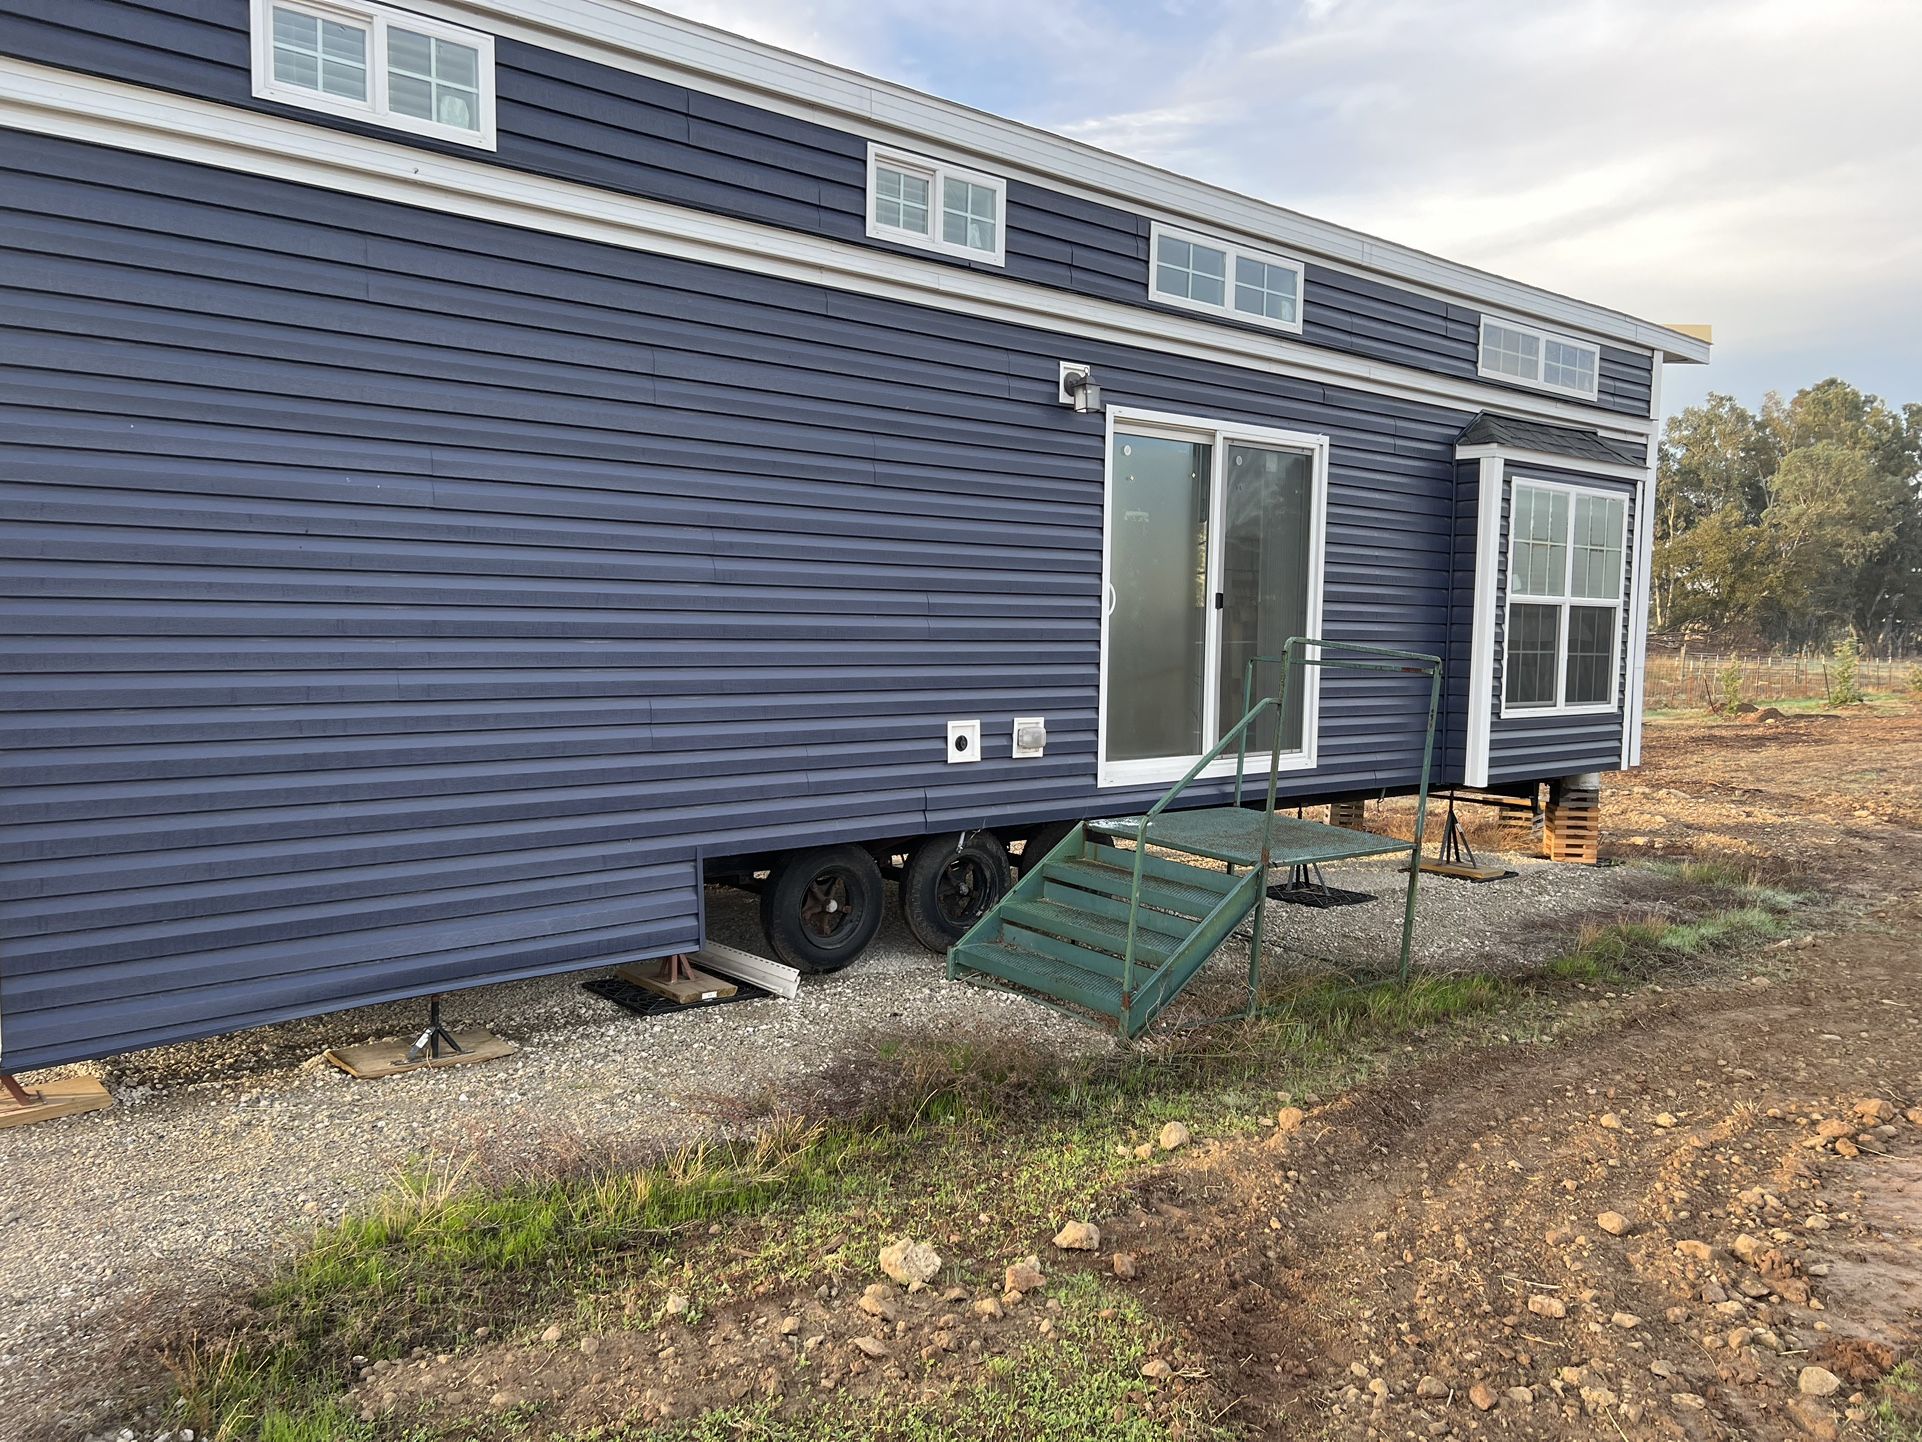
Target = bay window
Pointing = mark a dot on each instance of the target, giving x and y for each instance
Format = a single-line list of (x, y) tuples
[(1566, 559)]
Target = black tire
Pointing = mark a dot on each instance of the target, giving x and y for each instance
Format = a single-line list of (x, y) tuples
[(1041, 841), (949, 885), (821, 908)]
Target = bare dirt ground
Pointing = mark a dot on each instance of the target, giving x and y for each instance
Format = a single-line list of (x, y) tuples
[(1432, 1256)]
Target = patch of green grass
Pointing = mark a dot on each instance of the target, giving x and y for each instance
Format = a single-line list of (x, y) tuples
[(1624, 952), (1071, 1387), (1897, 1411)]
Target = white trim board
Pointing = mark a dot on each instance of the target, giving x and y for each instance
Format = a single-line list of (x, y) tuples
[(1219, 434), (1644, 584), (129, 117), (649, 42), (1481, 645), (1613, 470)]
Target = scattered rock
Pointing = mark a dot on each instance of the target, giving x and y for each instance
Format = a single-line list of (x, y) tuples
[(1432, 1386), (790, 1326), (1024, 1275), (1665, 1119), (988, 1307), (911, 1263), (552, 1334), (1543, 1305), (1611, 1122), (879, 1301), (1289, 1119), (1614, 1223), (1627, 1321), (1156, 1370), (1079, 1237), (1873, 1110), (1124, 1266), (1700, 1251), (1483, 1396), (873, 1347), (1817, 1382), (1521, 1396), (677, 1305), (1175, 1135)]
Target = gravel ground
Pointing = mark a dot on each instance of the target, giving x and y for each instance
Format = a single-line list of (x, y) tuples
[(221, 1154)]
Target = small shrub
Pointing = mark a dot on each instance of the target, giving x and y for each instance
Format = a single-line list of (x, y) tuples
[(1915, 680), (1730, 679), (1843, 684)]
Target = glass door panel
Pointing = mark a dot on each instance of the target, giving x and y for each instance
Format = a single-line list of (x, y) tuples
[(1266, 537), (1156, 673)]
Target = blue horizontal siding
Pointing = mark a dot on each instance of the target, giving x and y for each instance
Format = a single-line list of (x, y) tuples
[(580, 121), (396, 601)]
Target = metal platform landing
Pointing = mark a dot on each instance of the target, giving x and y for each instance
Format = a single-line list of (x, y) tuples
[(1235, 834)]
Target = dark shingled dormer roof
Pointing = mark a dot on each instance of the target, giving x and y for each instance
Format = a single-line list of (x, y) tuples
[(1511, 433)]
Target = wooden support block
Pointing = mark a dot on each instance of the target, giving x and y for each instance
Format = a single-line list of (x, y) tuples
[(1461, 871), (389, 1058), (1572, 826), (1351, 814), (688, 990), (67, 1096)]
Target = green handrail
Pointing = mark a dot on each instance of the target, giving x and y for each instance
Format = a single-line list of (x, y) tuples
[(1141, 836), (1295, 654)]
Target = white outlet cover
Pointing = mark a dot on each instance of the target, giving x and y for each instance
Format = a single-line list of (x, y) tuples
[(1028, 752), (964, 741)]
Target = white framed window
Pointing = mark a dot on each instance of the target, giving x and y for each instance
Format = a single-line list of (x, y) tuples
[(1567, 559), (375, 63), (1516, 352), (936, 205), (1220, 278), (1214, 542)]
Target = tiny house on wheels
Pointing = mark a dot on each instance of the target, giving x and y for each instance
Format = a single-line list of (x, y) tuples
[(477, 471)]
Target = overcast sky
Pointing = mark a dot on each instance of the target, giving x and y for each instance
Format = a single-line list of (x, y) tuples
[(1756, 164)]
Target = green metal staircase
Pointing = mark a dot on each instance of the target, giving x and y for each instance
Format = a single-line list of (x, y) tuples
[(1117, 927)]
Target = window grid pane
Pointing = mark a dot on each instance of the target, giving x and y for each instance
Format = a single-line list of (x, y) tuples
[(968, 215), (1265, 290), (1191, 272), (1538, 542), (433, 79), (1528, 671), (320, 55), (1598, 548), (901, 200), (1591, 652), (1569, 365), (1510, 352)]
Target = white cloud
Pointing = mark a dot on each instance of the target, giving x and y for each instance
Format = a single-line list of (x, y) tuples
[(1754, 163)]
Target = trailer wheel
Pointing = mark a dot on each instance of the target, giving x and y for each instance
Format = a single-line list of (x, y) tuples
[(1042, 840), (821, 908), (949, 884)]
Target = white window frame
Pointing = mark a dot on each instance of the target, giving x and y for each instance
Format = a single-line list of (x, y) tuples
[(375, 110), (1542, 338), (1219, 435), (938, 172), (1566, 603), (1234, 251)]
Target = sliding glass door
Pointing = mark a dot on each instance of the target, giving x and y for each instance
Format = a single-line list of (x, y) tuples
[(1213, 554)]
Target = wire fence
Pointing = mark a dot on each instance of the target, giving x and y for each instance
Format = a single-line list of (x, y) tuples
[(1692, 680)]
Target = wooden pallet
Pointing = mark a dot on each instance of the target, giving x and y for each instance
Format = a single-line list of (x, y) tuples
[(67, 1096), (1572, 827), (689, 986), (389, 1058)]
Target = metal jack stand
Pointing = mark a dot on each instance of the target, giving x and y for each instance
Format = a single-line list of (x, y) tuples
[(1306, 886), (1456, 858), (429, 1043)]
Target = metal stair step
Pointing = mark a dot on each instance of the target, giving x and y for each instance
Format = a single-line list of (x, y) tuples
[(1089, 930), (1148, 920), (1183, 898), (1051, 976)]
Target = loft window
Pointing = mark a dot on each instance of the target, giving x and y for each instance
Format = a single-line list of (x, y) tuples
[(370, 62), (1566, 549), (1225, 279), (1536, 358), (935, 205)]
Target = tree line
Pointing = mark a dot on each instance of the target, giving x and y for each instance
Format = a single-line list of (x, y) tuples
[(1797, 525)]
